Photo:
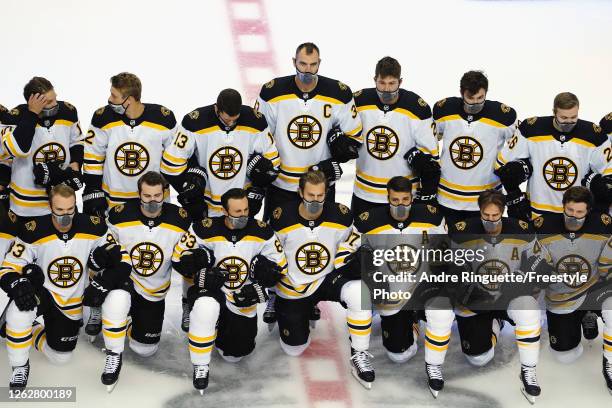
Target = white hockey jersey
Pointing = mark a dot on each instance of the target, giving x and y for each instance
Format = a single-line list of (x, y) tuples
[(300, 121), (58, 138), (223, 152), (150, 243), (120, 150), (559, 160), (313, 248), (62, 256), (470, 144), (587, 253), (4, 129), (389, 132), (234, 250)]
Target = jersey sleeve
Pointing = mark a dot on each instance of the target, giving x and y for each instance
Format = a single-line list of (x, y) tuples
[(110, 236), (424, 137), (177, 153), (77, 143), (264, 145), (600, 159), (347, 119), (266, 109), (604, 263), (273, 250), (515, 148), (20, 254), (351, 240), (96, 143), (17, 141)]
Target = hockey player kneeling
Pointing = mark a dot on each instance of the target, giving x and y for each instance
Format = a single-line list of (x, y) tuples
[(45, 274), (318, 238), (234, 257)]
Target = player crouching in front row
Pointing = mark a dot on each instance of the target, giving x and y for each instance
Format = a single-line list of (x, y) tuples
[(67, 245), (320, 242), (232, 259)]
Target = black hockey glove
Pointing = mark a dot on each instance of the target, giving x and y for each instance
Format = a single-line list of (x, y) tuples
[(5, 180), (330, 168), (264, 271), (342, 147), (20, 289), (255, 195), (250, 295), (94, 202), (513, 173), (600, 186), (358, 262), (105, 256), (211, 279), (193, 260), (96, 292), (35, 274), (48, 174), (518, 205), (191, 196), (117, 277), (73, 179), (261, 171)]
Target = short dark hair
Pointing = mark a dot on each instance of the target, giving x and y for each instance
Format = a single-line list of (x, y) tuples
[(491, 196), (313, 177), (388, 66), (232, 194), (473, 81), (309, 47), (152, 178), (400, 184), (128, 84), (229, 101), (37, 85), (578, 194)]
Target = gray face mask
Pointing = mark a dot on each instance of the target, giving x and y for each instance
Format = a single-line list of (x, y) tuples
[(238, 222), (313, 207), (473, 108), (387, 96), (63, 220), (152, 206), (118, 107), (491, 226), (399, 211), (305, 77), (565, 127), (573, 223), (49, 112)]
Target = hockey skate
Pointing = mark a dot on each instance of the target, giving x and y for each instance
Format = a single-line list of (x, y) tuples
[(362, 369), (185, 317), (590, 330), (314, 316), (112, 368), (269, 315), (530, 388), (200, 377), (94, 324), (19, 377), (434, 378), (607, 372)]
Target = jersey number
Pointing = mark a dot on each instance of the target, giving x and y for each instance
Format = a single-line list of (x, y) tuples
[(181, 140)]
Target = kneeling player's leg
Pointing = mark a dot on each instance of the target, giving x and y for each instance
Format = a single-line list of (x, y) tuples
[(564, 333), (439, 318), (19, 334), (293, 323), (115, 311), (147, 321), (236, 335), (202, 329), (358, 314), (525, 313), (398, 336), (606, 314), (477, 337), (59, 336)]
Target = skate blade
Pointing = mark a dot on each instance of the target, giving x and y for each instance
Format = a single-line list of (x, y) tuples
[(434, 392), (92, 338), (111, 387), (530, 398), (364, 384), (201, 392)]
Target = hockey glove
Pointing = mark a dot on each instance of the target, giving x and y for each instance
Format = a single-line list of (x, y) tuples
[(513, 173), (255, 195), (261, 171), (211, 279), (330, 168), (94, 202), (250, 295), (20, 289), (518, 205), (105, 256), (342, 147), (600, 186), (194, 260), (264, 271), (191, 196)]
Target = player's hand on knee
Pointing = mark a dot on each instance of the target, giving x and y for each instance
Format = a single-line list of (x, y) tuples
[(105, 256), (96, 292), (20, 289), (250, 295), (211, 279), (193, 260), (264, 271)]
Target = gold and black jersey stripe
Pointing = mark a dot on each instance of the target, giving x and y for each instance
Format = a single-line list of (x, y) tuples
[(493, 113), (379, 219), (408, 103), (542, 128), (333, 213), (284, 87), (171, 217), (154, 116), (214, 229), (40, 229), (205, 120), (66, 114)]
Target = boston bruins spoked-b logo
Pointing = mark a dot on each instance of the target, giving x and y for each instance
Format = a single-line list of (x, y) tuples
[(560, 173), (304, 131), (146, 258), (238, 271), (131, 158), (466, 152), (382, 142), (49, 152), (65, 272), (225, 162), (312, 258), (492, 267), (571, 265), (408, 267)]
